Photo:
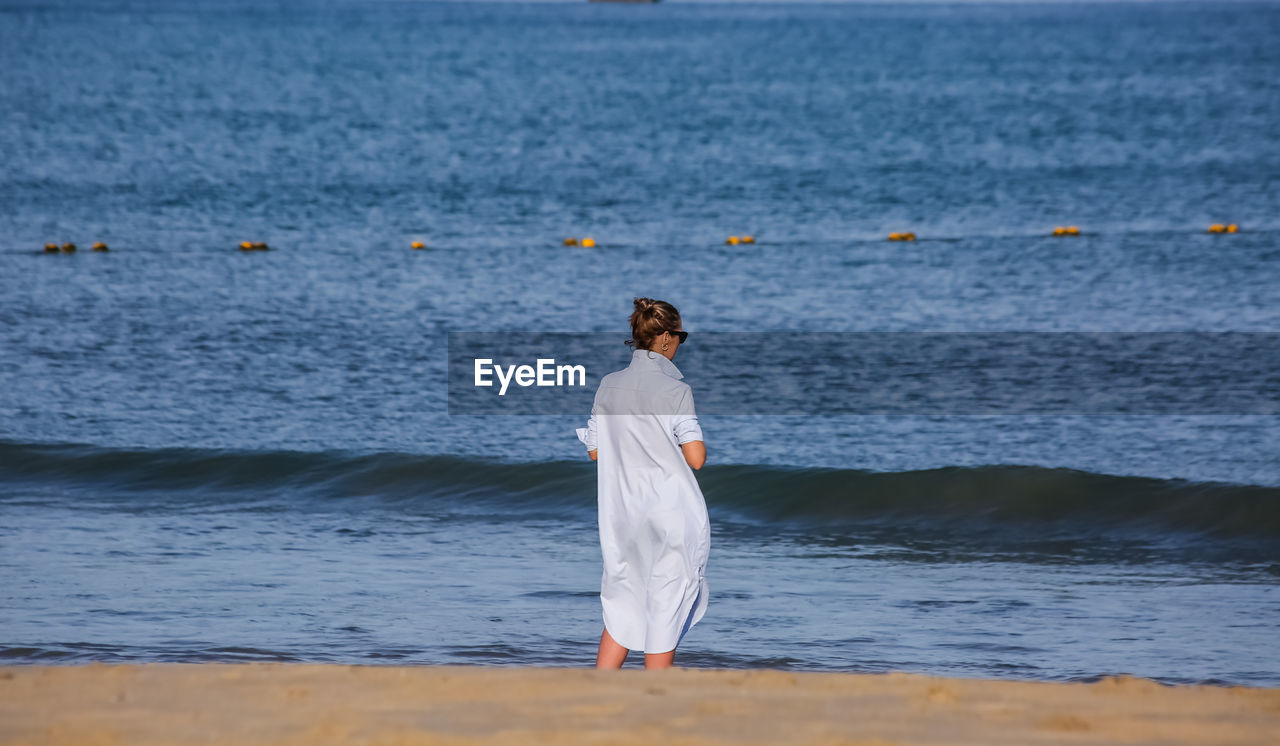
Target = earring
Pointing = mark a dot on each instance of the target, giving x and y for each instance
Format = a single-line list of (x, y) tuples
[(664, 348)]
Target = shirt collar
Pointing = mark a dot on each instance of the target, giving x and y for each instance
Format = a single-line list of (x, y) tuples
[(657, 360)]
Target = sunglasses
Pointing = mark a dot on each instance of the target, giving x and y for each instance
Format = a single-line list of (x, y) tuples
[(681, 335)]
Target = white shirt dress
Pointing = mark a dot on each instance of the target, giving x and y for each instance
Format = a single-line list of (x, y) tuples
[(654, 532)]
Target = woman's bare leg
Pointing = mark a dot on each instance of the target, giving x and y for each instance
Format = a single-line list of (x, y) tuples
[(659, 660), (611, 654)]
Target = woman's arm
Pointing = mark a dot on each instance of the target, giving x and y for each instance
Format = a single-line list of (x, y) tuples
[(687, 431), (695, 453), (588, 434)]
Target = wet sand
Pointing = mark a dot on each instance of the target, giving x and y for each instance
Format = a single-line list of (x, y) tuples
[(320, 704)]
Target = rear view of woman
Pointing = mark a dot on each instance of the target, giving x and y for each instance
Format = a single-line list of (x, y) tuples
[(654, 533)]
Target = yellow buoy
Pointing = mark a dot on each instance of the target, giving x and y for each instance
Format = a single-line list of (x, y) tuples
[(731, 240), (246, 246), (1232, 228), (1217, 228), (68, 248), (417, 245), (589, 243), (1073, 230), (903, 236), (571, 242), (748, 239), (99, 246), (51, 248)]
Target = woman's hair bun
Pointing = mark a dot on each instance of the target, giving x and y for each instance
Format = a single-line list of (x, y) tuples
[(650, 319)]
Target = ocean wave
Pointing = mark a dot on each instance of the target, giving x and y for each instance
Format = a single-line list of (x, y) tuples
[(1033, 497)]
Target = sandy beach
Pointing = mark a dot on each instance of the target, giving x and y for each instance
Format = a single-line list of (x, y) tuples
[(311, 704)]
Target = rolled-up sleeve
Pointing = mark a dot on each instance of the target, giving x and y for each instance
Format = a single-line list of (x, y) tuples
[(684, 423), (588, 434)]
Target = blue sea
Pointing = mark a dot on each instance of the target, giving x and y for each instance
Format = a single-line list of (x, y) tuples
[(208, 454)]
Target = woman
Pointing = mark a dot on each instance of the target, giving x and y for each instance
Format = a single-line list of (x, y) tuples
[(654, 534)]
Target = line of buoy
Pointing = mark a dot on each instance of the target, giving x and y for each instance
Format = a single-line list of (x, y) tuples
[(70, 248), (1059, 231), (589, 243)]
